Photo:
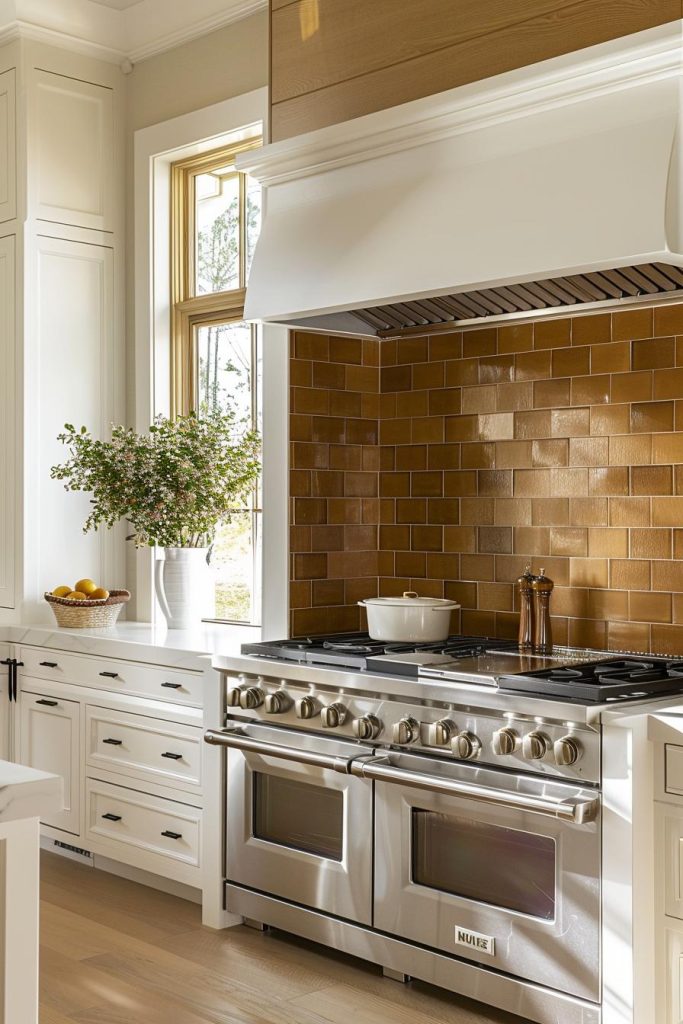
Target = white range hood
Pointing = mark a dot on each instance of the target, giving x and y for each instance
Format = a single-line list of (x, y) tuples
[(554, 186)]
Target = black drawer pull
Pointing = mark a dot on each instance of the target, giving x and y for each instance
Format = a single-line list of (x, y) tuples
[(110, 675), (49, 703), (172, 835), (112, 817), (49, 664), (173, 686), (113, 743), (173, 757)]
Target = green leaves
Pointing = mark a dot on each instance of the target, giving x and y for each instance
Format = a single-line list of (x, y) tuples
[(173, 484)]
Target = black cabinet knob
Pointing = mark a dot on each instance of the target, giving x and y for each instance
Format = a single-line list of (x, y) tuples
[(49, 703), (112, 817), (173, 686), (172, 835), (173, 757), (49, 664), (113, 742), (110, 675)]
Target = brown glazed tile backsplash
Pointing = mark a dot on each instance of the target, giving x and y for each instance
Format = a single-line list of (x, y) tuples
[(444, 464)]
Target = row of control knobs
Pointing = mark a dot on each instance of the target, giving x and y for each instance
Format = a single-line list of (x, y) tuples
[(464, 744)]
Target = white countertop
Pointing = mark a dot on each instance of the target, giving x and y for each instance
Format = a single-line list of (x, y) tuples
[(26, 792), (138, 641)]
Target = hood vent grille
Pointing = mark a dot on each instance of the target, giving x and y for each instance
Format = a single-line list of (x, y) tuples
[(643, 281)]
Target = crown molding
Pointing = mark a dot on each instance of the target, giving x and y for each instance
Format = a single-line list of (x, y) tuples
[(125, 35), (63, 40), (622, 63)]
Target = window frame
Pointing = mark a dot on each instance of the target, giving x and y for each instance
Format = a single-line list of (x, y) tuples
[(187, 309)]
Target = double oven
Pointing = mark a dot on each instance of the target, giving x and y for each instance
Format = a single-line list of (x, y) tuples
[(484, 865)]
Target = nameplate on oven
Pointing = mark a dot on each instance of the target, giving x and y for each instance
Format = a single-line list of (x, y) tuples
[(475, 940)]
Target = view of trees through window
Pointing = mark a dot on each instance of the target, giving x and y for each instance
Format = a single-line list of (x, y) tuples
[(220, 351)]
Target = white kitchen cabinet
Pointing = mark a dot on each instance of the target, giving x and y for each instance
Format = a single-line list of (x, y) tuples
[(7, 419), (71, 151), (121, 677), (143, 748), (127, 738), (157, 835), (49, 739), (8, 146), (72, 328)]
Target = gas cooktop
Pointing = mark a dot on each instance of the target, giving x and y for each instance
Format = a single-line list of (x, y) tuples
[(360, 651), (612, 680)]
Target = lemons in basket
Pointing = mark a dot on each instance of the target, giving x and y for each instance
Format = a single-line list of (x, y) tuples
[(86, 587), (84, 590)]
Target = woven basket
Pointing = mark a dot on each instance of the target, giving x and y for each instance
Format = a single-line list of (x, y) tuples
[(88, 614)]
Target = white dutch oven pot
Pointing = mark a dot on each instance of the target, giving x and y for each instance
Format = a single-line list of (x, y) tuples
[(409, 618)]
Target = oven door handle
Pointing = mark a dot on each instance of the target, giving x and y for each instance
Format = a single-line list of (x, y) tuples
[(578, 809), (237, 739)]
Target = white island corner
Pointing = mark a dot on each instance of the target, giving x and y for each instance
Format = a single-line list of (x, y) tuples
[(25, 795)]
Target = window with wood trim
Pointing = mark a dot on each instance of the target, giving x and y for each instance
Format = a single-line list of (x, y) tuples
[(215, 354)]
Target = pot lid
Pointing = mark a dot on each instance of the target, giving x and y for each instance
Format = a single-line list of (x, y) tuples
[(410, 598)]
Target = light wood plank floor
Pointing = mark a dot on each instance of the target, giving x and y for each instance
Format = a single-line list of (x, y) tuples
[(113, 952)]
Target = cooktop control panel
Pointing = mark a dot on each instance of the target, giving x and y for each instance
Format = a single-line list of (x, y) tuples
[(501, 739)]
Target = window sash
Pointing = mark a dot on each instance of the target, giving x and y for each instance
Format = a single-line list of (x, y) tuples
[(190, 311)]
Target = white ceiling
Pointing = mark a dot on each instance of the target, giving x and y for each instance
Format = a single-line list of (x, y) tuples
[(119, 30)]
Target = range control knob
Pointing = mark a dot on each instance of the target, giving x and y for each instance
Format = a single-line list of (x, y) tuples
[(466, 745), (566, 750), (405, 731), (251, 697), (278, 703), (504, 741), (333, 715), (233, 696), (368, 727), (534, 746), (439, 734), (307, 707)]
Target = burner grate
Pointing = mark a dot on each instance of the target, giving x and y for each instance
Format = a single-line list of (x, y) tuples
[(607, 681)]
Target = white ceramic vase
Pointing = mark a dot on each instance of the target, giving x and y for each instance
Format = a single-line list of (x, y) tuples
[(183, 585)]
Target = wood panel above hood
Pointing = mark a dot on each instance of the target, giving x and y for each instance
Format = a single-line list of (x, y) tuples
[(333, 60)]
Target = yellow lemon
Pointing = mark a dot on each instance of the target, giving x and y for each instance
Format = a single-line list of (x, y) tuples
[(61, 591), (85, 587), (100, 594), (76, 595)]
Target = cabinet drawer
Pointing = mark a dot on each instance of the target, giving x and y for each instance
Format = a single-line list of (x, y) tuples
[(154, 827), (143, 747), (109, 674)]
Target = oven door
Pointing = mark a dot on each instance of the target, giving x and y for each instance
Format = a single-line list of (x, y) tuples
[(299, 826), (499, 868)]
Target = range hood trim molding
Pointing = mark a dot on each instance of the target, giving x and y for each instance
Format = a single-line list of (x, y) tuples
[(623, 63)]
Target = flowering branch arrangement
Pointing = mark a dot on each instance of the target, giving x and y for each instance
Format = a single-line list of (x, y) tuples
[(174, 485)]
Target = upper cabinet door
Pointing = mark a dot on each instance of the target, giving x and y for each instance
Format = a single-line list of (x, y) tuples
[(71, 151), (7, 430), (8, 146)]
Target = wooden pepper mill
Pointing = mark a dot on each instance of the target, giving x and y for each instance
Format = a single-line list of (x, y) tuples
[(542, 587), (526, 609)]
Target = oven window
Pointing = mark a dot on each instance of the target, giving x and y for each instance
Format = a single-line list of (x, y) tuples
[(487, 863), (299, 815)]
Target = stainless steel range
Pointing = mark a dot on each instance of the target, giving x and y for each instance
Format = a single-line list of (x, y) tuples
[(435, 809)]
